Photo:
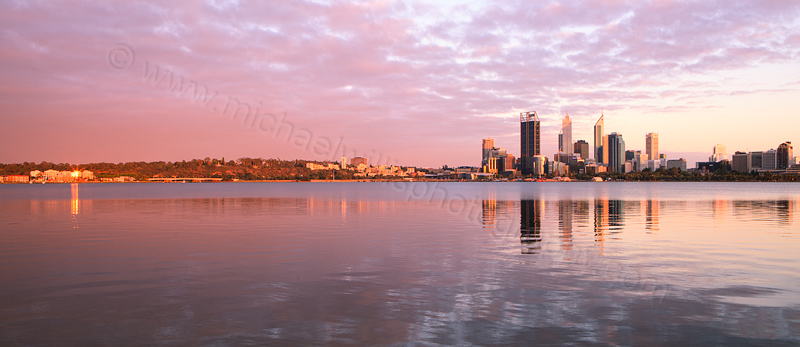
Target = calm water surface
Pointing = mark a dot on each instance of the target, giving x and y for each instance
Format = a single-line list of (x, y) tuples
[(400, 263)]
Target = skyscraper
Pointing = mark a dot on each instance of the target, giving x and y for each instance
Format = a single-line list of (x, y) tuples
[(582, 147), (488, 144), (530, 140), (616, 152), (720, 153), (785, 156), (651, 145), (598, 139), (566, 135)]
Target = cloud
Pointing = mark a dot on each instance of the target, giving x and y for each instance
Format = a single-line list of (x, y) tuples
[(417, 80)]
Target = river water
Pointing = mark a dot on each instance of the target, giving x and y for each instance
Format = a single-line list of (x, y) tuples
[(400, 263)]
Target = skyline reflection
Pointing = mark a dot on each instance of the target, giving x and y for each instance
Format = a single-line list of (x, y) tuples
[(565, 221), (341, 265)]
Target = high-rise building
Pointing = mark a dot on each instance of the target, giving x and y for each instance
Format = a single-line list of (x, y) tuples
[(785, 156), (755, 160), (566, 135), (530, 140), (739, 162), (487, 146), (616, 152), (720, 153), (598, 139), (651, 145), (582, 147), (770, 160)]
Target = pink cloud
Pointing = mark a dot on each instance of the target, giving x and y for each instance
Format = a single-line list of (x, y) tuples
[(387, 77)]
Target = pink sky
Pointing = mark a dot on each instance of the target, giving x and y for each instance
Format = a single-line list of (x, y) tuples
[(398, 82)]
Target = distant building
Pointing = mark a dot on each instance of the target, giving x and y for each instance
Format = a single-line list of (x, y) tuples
[(755, 161), (713, 166), (539, 165), (497, 160), (651, 145), (680, 164), (770, 161), (355, 161), (566, 139), (635, 158), (720, 153), (582, 147), (740, 162), (616, 152), (530, 140), (486, 147), (785, 156), (598, 139), (16, 179)]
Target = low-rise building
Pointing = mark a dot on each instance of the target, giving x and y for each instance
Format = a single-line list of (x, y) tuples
[(679, 164)]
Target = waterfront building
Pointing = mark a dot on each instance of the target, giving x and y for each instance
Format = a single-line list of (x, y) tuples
[(486, 147), (770, 160), (755, 161), (530, 140), (356, 161), (15, 179), (651, 145), (539, 165), (616, 151), (680, 164), (740, 162), (598, 139), (785, 157)]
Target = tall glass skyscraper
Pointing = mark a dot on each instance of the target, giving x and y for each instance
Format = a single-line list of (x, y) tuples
[(566, 136), (598, 139), (651, 145), (530, 140), (616, 152)]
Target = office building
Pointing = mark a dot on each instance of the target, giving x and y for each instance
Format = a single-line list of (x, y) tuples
[(530, 140), (565, 144), (598, 139), (719, 153), (755, 160), (582, 147), (740, 162), (539, 165), (680, 164), (770, 160), (785, 157), (651, 145), (486, 147), (616, 152)]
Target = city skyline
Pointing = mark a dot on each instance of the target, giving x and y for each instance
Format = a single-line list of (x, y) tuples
[(404, 83)]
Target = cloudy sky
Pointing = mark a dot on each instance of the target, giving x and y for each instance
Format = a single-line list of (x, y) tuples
[(400, 82)]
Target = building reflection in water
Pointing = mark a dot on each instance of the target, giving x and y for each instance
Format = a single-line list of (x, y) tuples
[(565, 223), (616, 216), (651, 215), (600, 222), (531, 225), (785, 209), (489, 213), (720, 208)]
